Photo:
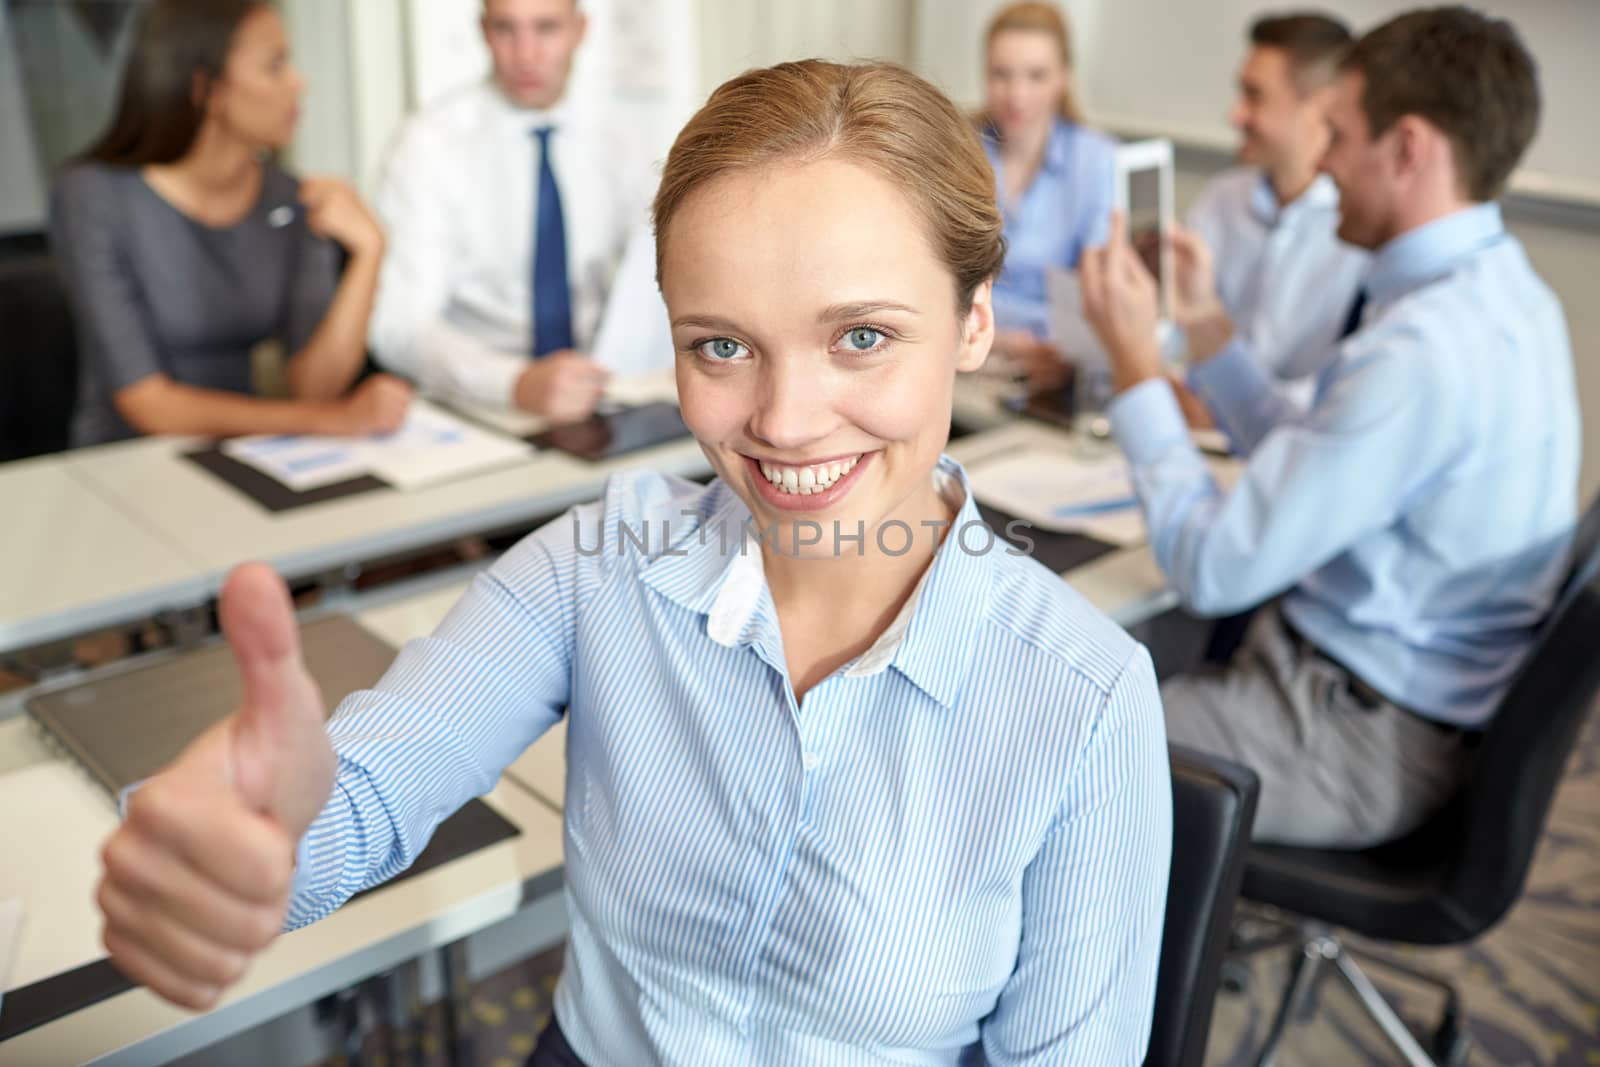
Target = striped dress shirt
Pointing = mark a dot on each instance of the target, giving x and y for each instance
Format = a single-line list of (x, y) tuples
[(953, 850)]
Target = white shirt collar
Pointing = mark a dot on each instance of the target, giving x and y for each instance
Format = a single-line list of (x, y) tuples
[(1320, 195), (526, 118), (741, 591)]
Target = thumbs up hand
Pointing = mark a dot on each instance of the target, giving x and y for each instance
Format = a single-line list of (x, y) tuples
[(197, 876)]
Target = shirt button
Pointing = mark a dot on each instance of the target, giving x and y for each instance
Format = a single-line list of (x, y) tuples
[(811, 761)]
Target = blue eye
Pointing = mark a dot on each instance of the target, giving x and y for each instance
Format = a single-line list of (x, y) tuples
[(862, 338), (721, 349)]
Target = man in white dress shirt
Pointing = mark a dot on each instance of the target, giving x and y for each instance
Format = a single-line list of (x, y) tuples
[(1283, 275), (509, 208)]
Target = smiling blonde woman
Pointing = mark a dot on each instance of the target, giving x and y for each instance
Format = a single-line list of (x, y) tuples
[(848, 783)]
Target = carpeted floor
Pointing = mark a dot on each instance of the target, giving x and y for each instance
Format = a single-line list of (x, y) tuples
[(1530, 987)]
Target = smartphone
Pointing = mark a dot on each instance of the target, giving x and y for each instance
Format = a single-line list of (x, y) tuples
[(1144, 196)]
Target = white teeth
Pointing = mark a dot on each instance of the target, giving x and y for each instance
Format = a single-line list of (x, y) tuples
[(806, 481)]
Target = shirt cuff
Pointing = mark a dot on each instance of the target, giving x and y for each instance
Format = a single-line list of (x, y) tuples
[(1147, 421), (495, 381), (1230, 373), (124, 793), (303, 869), (453, 364)]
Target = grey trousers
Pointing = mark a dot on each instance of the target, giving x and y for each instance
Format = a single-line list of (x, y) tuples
[(1340, 766)]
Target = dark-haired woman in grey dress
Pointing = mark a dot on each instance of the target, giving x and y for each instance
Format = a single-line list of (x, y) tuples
[(184, 247)]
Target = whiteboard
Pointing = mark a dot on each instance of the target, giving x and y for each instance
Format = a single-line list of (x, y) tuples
[(1166, 67)]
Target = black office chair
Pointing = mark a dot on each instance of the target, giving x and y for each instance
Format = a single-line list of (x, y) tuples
[(1213, 808), (38, 351), (1457, 875)]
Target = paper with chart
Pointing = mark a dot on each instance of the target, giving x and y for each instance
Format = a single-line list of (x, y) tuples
[(1061, 490), (431, 446)]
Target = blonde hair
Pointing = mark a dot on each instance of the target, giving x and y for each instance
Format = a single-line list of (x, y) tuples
[(877, 116), (1035, 16)]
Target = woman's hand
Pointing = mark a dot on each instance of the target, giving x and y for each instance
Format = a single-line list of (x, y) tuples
[(377, 406), (197, 877), (334, 210)]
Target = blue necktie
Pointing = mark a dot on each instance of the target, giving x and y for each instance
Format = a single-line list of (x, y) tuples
[(552, 299), (1352, 320)]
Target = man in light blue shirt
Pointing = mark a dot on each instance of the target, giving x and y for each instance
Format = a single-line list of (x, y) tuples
[(1283, 275), (1414, 517)]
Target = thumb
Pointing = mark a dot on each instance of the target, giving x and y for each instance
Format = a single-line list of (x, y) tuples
[(258, 621), (1118, 233), (281, 759)]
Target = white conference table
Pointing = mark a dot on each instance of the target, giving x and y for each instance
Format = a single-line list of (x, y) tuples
[(73, 559), (108, 535), (216, 527), (368, 936)]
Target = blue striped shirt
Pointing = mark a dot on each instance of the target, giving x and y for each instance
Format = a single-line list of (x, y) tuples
[(959, 841)]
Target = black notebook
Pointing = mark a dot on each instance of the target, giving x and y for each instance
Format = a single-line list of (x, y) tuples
[(267, 491)]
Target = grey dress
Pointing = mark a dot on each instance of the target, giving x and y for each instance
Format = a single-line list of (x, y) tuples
[(155, 292)]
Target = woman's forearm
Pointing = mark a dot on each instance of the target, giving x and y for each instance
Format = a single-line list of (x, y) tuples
[(159, 405), (334, 356)]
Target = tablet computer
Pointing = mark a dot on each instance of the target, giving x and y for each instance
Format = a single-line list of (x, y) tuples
[(616, 433), (1143, 192)]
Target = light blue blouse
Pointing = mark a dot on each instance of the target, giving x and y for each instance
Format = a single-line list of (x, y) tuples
[(959, 842), (1065, 209)]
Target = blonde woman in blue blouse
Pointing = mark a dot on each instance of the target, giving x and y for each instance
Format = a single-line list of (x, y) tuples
[(1053, 175), (849, 781)]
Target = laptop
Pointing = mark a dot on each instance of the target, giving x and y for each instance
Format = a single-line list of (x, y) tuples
[(126, 725)]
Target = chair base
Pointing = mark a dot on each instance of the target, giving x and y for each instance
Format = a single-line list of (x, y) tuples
[(1319, 953)]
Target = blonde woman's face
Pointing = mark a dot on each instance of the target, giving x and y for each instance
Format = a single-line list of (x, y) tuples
[(818, 341), (1025, 80)]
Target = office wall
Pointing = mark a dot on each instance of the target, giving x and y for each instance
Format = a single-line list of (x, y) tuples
[(353, 56), (736, 35), (22, 195), (60, 66)]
